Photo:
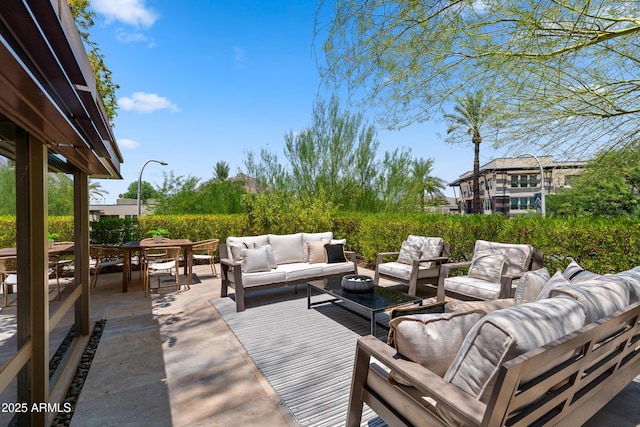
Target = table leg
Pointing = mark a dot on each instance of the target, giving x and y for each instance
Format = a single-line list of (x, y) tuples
[(373, 323), (188, 266), (126, 266)]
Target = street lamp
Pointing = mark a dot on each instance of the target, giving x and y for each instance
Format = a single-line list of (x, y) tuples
[(543, 207), (140, 179)]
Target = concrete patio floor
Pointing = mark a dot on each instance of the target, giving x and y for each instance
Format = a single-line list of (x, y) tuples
[(170, 360)]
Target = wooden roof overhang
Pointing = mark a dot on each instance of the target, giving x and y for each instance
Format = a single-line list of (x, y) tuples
[(47, 87)]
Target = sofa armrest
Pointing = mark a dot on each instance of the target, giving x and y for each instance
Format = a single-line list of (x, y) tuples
[(229, 262), (466, 408)]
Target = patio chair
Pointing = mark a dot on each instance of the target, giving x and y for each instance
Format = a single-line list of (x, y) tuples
[(9, 277), (418, 262), (103, 256), (491, 271), (161, 261), (205, 250)]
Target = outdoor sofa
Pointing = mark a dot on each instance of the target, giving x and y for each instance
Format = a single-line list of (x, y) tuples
[(253, 263), (553, 355)]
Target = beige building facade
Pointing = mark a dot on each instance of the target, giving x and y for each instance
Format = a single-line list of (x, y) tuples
[(511, 186)]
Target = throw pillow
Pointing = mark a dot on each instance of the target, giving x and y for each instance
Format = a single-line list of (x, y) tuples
[(270, 255), (409, 252), (556, 280), (530, 285), (489, 268), (316, 252), (236, 250), (576, 274), (255, 260), (334, 254), (431, 340), (431, 247)]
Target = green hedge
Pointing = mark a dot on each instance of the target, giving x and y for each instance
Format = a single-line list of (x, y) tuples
[(598, 244)]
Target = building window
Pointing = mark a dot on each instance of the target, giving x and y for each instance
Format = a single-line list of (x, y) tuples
[(533, 180), (514, 203), (532, 202), (490, 183), (523, 202), (523, 180), (514, 180)]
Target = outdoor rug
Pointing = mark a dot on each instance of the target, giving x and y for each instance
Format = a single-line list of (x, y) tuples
[(306, 355)]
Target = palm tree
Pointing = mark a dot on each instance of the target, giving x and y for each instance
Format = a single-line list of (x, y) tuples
[(221, 171), (423, 182), (96, 191), (470, 114)]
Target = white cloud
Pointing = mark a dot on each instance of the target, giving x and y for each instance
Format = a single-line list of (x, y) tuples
[(130, 12), (128, 37), (146, 103), (128, 144)]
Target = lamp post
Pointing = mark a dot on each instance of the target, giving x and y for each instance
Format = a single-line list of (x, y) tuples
[(140, 179), (543, 207)]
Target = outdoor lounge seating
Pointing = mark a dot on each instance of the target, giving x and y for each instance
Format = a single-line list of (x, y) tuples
[(257, 262), (418, 262), (556, 360), (492, 270)]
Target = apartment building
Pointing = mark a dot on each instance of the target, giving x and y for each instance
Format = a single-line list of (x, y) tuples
[(511, 186)]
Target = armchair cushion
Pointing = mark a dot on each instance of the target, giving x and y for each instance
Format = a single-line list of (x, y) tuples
[(430, 247), (488, 267), (484, 306), (530, 285), (409, 252), (518, 255), (504, 334), (431, 340), (403, 271), (474, 288)]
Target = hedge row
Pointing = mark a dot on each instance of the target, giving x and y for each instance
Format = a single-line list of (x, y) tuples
[(599, 245)]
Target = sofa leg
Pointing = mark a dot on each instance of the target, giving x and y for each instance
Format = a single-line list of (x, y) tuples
[(239, 299)]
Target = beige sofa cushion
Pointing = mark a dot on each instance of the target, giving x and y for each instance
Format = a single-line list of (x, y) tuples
[(530, 285), (403, 271), (599, 297), (518, 255), (504, 334), (431, 340), (631, 278), (314, 237), (485, 307), (287, 248)]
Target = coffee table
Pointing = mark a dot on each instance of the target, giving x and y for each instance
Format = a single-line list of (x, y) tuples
[(372, 303)]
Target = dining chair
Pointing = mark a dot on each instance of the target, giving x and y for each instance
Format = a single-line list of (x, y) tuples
[(9, 277), (205, 250), (103, 256), (161, 261)]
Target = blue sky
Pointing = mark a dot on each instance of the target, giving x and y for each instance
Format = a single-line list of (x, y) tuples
[(208, 81)]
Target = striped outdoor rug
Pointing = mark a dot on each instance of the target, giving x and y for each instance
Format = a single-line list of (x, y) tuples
[(306, 355)]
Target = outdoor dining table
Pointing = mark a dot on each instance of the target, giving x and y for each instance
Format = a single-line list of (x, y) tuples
[(140, 245), (56, 249)]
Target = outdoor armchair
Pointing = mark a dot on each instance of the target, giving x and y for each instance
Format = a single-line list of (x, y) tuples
[(491, 271), (418, 262)]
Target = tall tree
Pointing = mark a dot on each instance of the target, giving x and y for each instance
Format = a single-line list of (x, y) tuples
[(424, 184), (147, 191), (334, 155), (564, 71), (470, 114), (221, 171)]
